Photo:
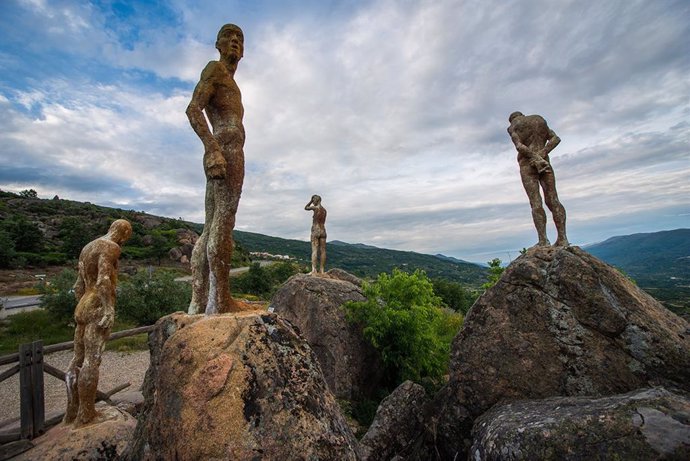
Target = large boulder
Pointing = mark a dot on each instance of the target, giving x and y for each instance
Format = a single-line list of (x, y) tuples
[(103, 438), (558, 323), (398, 419), (314, 304), (235, 387), (644, 424)]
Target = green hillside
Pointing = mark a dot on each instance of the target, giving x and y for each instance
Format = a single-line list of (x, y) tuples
[(41, 232), (659, 262), (368, 261)]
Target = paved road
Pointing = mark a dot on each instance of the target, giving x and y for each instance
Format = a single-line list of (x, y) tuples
[(17, 304)]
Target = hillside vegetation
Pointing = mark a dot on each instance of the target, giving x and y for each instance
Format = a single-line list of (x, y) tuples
[(42, 232), (659, 262)]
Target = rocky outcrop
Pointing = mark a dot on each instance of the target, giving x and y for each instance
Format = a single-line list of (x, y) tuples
[(183, 252), (314, 304), (234, 387), (398, 420), (644, 424), (104, 438), (558, 323)]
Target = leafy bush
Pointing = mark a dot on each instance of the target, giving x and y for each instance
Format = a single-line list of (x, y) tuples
[(144, 298), (403, 320), (263, 281), (495, 272), (58, 296), (454, 296)]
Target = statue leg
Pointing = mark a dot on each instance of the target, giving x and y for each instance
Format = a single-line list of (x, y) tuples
[(314, 255), (220, 243), (72, 375), (530, 181), (199, 262), (94, 342), (322, 248), (548, 183)]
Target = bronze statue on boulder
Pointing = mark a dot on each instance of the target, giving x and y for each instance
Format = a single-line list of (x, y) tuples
[(318, 234), (218, 96), (94, 317), (534, 140)]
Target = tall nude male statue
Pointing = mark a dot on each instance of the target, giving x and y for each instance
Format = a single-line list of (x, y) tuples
[(218, 96), (318, 233), (534, 140), (94, 316)]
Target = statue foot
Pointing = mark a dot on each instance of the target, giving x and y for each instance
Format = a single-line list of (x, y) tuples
[(543, 243), (561, 242)]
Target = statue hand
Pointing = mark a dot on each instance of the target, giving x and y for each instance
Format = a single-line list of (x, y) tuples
[(542, 165), (214, 164), (107, 321)]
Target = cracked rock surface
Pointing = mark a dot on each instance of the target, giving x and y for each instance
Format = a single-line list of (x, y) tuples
[(314, 305), (643, 424), (559, 322), (239, 386)]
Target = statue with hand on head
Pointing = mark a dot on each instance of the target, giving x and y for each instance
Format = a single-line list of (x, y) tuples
[(318, 234), (94, 317)]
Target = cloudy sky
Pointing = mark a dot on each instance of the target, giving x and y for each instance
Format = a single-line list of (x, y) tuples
[(394, 111)]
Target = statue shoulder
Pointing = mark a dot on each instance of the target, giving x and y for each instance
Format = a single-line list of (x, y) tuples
[(210, 70)]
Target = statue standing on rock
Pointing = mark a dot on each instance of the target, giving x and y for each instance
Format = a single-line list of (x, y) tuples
[(94, 317), (218, 96), (534, 140), (318, 234)]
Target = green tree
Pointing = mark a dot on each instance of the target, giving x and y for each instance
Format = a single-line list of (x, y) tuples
[(7, 250), (75, 233), (28, 193), (495, 272), (403, 320), (453, 294), (26, 235), (255, 281), (144, 298), (58, 295)]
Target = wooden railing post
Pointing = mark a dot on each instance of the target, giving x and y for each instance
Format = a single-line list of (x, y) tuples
[(31, 389), (37, 384), (25, 391)]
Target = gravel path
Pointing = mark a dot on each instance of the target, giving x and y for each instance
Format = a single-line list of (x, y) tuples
[(116, 368)]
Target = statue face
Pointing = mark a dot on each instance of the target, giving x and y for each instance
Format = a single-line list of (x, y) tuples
[(230, 42)]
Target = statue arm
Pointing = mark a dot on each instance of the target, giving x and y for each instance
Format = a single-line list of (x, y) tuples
[(106, 289), (79, 286), (214, 162), (308, 206), (534, 158), (551, 144)]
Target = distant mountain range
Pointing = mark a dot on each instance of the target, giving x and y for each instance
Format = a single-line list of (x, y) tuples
[(658, 261)]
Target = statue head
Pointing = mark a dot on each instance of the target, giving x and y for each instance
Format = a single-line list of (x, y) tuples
[(120, 231), (515, 115), (230, 42), (316, 200)]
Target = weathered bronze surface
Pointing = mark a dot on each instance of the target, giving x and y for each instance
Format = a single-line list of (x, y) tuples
[(94, 316), (318, 234), (218, 96), (534, 140)]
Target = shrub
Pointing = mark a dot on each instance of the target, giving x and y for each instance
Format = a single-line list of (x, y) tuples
[(144, 298), (403, 320), (58, 296)]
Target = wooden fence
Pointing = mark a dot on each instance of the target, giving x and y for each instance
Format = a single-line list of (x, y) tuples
[(31, 366)]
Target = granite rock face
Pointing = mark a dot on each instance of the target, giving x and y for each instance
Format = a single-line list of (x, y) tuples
[(558, 323), (236, 386), (314, 305), (398, 419), (643, 424)]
